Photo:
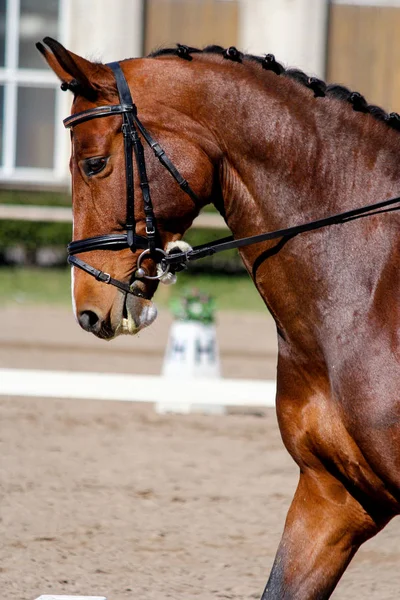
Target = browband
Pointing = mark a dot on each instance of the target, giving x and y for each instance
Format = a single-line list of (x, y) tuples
[(98, 111)]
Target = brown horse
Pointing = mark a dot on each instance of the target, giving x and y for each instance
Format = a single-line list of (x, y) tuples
[(271, 148)]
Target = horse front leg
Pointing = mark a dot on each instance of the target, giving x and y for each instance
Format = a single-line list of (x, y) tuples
[(324, 528)]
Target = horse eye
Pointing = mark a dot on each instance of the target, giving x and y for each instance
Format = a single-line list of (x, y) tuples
[(93, 166)]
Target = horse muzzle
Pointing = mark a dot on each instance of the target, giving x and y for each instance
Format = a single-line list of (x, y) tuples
[(138, 313), (129, 314)]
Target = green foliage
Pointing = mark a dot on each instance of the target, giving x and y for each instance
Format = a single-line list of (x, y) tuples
[(35, 198), (194, 305), (32, 235), (29, 234)]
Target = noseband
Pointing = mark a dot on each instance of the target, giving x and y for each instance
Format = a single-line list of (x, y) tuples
[(175, 260)]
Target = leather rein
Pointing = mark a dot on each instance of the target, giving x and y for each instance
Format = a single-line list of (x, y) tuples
[(175, 260)]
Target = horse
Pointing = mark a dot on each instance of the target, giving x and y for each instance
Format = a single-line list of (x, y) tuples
[(271, 148)]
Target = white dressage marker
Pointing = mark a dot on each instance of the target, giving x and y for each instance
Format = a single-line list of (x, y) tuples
[(52, 597), (192, 351)]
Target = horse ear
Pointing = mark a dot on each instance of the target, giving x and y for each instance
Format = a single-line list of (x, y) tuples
[(69, 67)]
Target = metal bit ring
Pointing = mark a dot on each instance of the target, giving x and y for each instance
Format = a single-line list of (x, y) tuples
[(141, 273)]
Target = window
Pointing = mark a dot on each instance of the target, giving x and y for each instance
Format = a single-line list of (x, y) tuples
[(38, 103), (31, 147), (37, 19), (2, 31)]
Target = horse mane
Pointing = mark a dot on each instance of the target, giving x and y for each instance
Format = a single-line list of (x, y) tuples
[(268, 62)]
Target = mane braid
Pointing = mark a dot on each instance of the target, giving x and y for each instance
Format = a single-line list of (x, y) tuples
[(213, 49), (268, 63), (233, 53), (297, 75)]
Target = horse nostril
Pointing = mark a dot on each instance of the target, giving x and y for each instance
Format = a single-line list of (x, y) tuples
[(89, 320)]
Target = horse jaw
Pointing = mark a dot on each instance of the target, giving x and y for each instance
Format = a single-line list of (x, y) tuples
[(140, 313)]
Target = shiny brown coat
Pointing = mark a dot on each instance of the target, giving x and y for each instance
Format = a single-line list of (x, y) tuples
[(275, 156)]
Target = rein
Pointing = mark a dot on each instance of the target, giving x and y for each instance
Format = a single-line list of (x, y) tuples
[(175, 260), (229, 243)]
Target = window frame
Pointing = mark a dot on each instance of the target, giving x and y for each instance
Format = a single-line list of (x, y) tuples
[(11, 78)]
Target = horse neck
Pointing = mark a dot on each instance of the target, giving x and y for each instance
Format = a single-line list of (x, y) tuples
[(289, 159)]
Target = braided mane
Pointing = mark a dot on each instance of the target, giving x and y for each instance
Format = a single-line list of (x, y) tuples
[(268, 62)]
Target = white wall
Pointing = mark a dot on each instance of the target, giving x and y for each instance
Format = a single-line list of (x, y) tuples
[(293, 30), (106, 30)]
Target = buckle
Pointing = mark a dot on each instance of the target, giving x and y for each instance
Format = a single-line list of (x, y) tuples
[(104, 277), (158, 151), (151, 231)]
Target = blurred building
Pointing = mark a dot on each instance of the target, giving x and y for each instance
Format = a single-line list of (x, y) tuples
[(349, 41)]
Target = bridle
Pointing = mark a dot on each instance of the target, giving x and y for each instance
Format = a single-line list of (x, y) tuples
[(175, 260), (132, 144)]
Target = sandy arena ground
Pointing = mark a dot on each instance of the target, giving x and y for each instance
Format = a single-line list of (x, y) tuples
[(111, 499)]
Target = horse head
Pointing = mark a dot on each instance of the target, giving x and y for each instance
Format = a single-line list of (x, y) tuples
[(99, 169)]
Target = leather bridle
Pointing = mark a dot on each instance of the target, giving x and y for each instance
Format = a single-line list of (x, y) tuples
[(175, 260), (132, 145)]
